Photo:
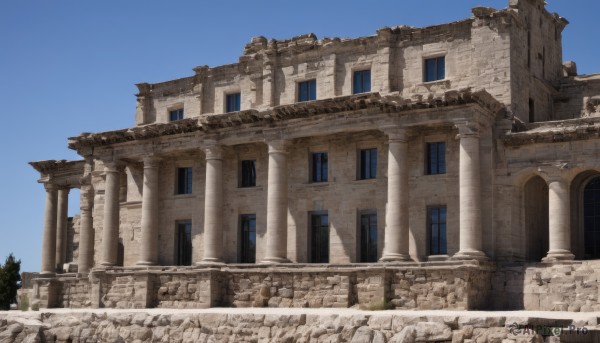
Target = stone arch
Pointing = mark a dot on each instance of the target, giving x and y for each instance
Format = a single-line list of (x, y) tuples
[(584, 188), (535, 218)]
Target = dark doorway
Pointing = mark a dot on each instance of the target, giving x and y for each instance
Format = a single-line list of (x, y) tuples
[(591, 219), (535, 202), (248, 238), (319, 238), (183, 253)]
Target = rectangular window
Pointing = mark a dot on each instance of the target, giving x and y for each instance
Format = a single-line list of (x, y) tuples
[(184, 180), (435, 69), (368, 164), (307, 90), (368, 236), (248, 178), (183, 243), (362, 82), (232, 102), (319, 167), (319, 238), (436, 158), (531, 110), (248, 238), (437, 230), (176, 114)]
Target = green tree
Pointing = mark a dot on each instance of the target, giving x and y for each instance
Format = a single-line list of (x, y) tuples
[(10, 279)]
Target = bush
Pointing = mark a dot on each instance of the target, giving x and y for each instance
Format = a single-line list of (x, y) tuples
[(10, 279)]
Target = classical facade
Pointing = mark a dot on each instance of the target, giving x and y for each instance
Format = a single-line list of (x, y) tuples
[(418, 167)]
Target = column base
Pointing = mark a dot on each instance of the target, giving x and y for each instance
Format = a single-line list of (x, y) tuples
[(274, 260), (146, 263), (558, 255), (209, 261), (471, 254), (107, 264), (46, 275), (395, 258)]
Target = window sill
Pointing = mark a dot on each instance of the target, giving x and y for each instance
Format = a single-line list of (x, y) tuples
[(444, 82), (317, 184), (248, 189), (373, 180), (184, 196)]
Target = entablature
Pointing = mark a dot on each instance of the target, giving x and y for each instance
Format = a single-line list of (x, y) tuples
[(61, 173)]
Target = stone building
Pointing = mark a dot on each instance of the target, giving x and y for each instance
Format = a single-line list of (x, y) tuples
[(423, 168)]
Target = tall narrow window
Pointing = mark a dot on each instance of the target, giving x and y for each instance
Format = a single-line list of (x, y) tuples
[(361, 82), (176, 114), (319, 238), (368, 164), (319, 167), (248, 238), (436, 158), (435, 69), (307, 90), (368, 236), (248, 177), (184, 180), (184, 243), (531, 110), (233, 102), (437, 230)]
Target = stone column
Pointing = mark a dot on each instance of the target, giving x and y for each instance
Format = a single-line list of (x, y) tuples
[(559, 221), (86, 230), (49, 240), (396, 214), (469, 180), (277, 204), (213, 206), (149, 244), (61, 227), (110, 232)]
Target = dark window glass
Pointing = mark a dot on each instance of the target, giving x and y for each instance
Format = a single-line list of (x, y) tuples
[(368, 164), (184, 243), (248, 233), (176, 114), (591, 219), (362, 81), (233, 102), (531, 110), (368, 237), (248, 173), (435, 69), (436, 158), (319, 167), (437, 230), (307, 90), (184, 180), (319, 238)]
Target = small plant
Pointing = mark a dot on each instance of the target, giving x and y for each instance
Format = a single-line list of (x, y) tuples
[(380, 305), (24, 304)]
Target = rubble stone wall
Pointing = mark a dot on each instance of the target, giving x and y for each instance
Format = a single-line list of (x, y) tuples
[(75, 293)]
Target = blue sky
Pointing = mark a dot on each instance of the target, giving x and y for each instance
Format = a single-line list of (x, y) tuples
[(69, 66)]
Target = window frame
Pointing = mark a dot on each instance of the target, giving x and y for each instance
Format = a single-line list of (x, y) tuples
[(322, 175), (178, 112), (186, 185), (440, 165), (365, 170), (311, 90), (250, 180), (367, 255), (439, 250), (245, 251), (183, 257), (233, 102), (436, 59), (361, 72)]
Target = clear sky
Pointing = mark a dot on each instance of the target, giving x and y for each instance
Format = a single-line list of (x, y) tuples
[(70, 66)]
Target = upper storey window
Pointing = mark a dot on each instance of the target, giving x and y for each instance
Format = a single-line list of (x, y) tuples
[(176, 114), (362, 82), (368, 164), (436, 158), (307, 90), (232, 102), (435, 69), (184, 180)]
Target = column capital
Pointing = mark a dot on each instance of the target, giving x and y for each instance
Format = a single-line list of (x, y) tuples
[(277, 146), (467, 128), (213, 152), (151, 161), (553, 173), (395, 133), (112, 166), (50, 186)]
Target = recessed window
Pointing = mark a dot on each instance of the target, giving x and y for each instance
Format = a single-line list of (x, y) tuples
[(183, 243), (436, 216), (368, 236), (176, 114), (319, 167), (307, 90), (319, 238), (435, 69), (361, 82), (436, 158), (184, 180), (232, 102), (368, 164), (248, 238), (531, 110), (248, 177)]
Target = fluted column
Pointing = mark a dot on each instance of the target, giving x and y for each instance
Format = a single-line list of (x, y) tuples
[(213, 206), (61, 227), (559, 221), (469, 180), (149, 244), (49, 240), (396, 215), (86, 230), (277, 204), (110, 232)]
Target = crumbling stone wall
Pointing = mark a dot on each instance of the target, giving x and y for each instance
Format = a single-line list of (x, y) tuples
[(75, 293)]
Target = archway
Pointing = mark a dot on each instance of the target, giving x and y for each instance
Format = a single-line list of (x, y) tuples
[(535, 203), (591, 219)]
